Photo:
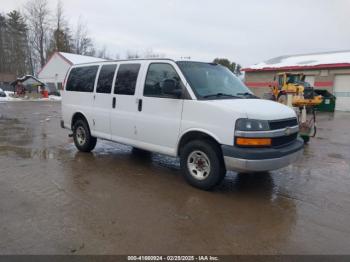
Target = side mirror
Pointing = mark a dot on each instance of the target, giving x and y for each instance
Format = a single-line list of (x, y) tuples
[(171, 87)]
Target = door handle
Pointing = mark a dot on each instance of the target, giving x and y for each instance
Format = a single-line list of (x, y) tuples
[(113, 102), (139, 107)]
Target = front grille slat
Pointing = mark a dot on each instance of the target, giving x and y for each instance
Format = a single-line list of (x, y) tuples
[(279, 124), (283, 140)]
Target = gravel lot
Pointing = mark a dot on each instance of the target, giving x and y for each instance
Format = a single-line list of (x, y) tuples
[(55, 200)]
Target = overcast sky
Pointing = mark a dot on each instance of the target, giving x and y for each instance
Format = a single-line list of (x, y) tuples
[(247, 31)]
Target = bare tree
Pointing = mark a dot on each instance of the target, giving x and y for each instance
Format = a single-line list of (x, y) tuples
[(102, 53), (132, 55), (60, 39), (149, 53), (83, 44), (37, 15)]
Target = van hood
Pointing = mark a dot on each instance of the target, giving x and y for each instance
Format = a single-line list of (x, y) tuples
[(255, 108)]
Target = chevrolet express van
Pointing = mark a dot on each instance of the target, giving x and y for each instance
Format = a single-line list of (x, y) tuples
[(199, 112)]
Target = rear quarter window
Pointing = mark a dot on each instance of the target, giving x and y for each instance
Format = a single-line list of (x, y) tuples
[(126, 79), (82, 79), (105, 79)]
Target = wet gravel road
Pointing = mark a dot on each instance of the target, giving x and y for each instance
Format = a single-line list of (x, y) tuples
[(55, 200)]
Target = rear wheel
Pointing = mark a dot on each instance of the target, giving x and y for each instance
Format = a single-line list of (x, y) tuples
[(202, 164), (82, 137)]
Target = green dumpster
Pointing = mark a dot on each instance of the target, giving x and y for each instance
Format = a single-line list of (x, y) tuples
[(328, 103)]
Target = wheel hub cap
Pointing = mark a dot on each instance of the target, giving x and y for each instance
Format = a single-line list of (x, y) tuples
[(81, 135), (198, 164)]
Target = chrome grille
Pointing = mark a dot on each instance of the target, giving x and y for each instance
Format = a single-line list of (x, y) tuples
[(279, 124)]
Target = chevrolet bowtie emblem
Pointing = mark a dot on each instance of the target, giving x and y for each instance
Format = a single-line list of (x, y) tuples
[(287, 131)]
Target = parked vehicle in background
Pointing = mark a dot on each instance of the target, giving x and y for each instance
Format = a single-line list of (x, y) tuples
[(199, 112), (2, 93)]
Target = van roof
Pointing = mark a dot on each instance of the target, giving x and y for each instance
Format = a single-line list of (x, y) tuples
[(123, 60)]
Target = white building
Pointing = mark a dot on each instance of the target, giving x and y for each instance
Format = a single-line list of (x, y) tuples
[(55, 70)]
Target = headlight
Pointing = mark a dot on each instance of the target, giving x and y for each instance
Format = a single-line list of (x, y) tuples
[(245, 124)]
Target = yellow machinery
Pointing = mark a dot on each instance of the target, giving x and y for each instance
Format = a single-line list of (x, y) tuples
[(292, 90)]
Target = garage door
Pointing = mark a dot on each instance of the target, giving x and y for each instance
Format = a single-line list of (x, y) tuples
[(310, 80), (342, 92)]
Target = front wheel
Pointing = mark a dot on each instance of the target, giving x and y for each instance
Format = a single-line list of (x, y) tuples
[(202, 164), (82, 137)]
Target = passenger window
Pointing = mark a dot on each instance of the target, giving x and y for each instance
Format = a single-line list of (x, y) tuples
[(157, 75), (82, 79), (126, 79), (105, 79)]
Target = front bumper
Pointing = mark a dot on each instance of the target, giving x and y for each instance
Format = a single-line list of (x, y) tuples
[(261, 159)]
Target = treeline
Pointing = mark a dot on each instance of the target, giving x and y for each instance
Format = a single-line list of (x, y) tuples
[(29, 37), (232, 66)]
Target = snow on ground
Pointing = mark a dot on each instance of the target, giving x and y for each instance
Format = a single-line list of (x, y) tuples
[(55, 98), (305, 60), (10, 98)]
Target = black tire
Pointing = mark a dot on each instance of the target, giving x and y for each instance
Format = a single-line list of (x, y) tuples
[(83, 140), (212, 176)]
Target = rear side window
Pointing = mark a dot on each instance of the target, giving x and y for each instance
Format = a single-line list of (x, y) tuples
[(82, 79), (105, 79), (126, 79)]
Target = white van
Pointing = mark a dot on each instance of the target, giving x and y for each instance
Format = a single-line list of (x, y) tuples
[(200, 112)]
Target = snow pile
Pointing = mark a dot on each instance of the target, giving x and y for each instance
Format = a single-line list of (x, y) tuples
[(9, 97), (55, 98), (9, 93), (50, 98), (80, 59), (305, 60)]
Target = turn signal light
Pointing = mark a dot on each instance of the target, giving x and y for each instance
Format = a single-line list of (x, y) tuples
[(241, 141)]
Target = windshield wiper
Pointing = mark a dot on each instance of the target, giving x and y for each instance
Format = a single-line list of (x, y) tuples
[(221, 95), (247, 95)]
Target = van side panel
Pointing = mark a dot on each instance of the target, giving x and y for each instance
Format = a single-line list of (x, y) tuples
[(74, 102), (103, 101)]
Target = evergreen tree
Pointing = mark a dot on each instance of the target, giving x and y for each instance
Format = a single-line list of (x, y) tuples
[(16, 43), (232, 66), (3, 54)]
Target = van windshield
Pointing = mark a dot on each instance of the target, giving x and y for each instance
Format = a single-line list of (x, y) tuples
[(213, 81)]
